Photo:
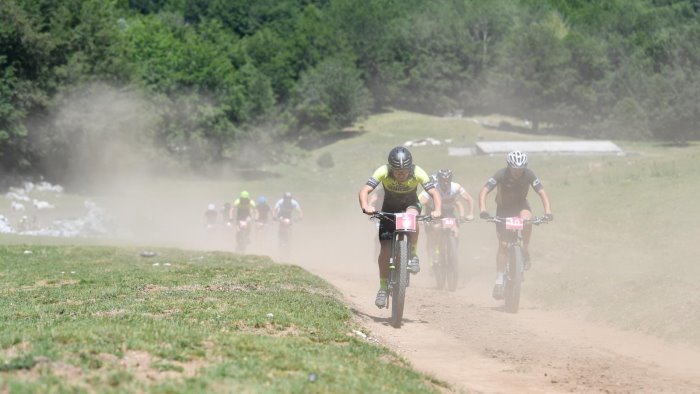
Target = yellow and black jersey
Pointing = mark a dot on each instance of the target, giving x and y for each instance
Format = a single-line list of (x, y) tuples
[(242, 208), (400, 193)]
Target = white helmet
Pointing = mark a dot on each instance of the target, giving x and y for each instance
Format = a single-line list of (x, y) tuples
[(517, 159), (211, 207)]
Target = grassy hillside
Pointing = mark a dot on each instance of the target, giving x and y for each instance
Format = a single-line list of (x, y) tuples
[(104, 319)]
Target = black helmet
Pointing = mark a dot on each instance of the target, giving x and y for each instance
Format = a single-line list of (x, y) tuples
[(400, 158)]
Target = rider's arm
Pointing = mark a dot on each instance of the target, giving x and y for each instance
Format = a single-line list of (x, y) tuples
[(545, 201), (465, 195), (482, 198), (363, 197), (437, 202), (423, 199)]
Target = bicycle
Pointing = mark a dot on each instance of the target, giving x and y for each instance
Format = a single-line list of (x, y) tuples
[(284, 236), (445, 258), (399, 278), (242, 235), (514, 274)]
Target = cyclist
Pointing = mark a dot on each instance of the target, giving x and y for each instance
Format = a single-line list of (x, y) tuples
[(451, 193), (285, 208), (400, 179), (243, 209), (513, 183), (210, 215), (264, 210)]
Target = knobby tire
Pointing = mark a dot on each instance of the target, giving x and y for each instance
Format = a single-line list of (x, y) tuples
[(441, 267), (398, 295), (452, 271), (514, 279)]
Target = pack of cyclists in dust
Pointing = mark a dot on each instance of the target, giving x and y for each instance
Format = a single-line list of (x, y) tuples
[(247, 216), (443, 198)]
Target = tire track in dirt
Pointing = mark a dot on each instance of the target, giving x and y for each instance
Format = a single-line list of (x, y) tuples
[(465, 339)]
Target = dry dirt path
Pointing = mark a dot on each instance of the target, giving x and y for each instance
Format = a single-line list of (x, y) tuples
[(465, 339)]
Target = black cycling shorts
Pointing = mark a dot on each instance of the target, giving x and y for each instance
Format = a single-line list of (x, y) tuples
[(386, 226), (511, 210)]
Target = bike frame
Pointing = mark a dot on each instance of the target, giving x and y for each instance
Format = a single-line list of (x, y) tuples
[(514, 273), (446, 269), (399, 278)]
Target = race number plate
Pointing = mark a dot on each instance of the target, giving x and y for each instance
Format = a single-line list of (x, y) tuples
[(515, 223), (406, 221), (448, 222)]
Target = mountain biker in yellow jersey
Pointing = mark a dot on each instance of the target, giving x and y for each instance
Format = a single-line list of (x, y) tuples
[(513, 183), (400, 179), (243, 209), (451, 193)]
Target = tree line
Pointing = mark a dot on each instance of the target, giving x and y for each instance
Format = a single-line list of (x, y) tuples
[(210, 81)]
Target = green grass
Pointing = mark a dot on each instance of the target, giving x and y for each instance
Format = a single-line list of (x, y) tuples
[(103, 319)]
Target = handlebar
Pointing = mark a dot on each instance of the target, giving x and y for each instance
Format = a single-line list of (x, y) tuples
[(537, 220), (392, 215)]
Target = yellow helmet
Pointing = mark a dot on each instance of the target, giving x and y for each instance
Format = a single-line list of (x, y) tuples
[(245, 194)]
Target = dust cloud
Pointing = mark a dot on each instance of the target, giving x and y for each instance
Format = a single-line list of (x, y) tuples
[(101, 142)]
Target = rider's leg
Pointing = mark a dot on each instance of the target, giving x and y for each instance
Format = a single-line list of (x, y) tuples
[(383, 261)]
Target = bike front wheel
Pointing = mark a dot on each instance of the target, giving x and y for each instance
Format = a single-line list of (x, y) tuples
[(514, 279), (398, 291)]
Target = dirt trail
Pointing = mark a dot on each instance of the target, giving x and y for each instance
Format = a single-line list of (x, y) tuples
[(465, 339)]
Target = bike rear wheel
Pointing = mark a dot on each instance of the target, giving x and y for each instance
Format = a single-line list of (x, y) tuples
[(452, 271), (398, 291), (514, 279), (441, 264)]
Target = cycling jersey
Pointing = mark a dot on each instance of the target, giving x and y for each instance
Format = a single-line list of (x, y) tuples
[(263, 212), (449, 198), (285, 208), (400, 195), (243, 207), (512, 192)]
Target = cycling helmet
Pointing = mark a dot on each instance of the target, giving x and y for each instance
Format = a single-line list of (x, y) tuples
[(211, 207), (517, 159), (287, 195), (400, 158), (244, 194), (262, 200), (444, 178)]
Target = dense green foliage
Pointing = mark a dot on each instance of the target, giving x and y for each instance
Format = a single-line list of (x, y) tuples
[(215, 78)]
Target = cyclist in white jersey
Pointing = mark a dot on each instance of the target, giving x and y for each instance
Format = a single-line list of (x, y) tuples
[(452, 193)]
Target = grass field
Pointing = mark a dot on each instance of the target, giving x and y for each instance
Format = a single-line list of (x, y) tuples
[(103, 319)]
